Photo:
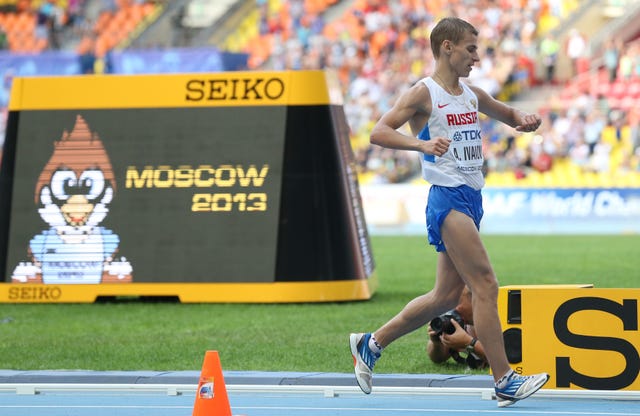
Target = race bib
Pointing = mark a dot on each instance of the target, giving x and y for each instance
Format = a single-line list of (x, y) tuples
[(466, 148)]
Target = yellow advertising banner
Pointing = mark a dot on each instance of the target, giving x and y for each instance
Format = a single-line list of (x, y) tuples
[(224, 89), (585, 338)]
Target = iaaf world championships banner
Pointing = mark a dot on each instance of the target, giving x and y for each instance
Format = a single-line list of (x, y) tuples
[(400, 208)]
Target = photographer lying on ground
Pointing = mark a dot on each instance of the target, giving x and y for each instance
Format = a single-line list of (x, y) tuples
[(452, 335)]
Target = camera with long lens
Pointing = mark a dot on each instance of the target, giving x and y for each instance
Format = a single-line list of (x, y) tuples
[(442, 324)]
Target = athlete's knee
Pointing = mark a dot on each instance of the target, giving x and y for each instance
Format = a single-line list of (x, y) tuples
[(485, 288), (446, 299)]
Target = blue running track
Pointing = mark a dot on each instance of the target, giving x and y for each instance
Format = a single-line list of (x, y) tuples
[(296, 394)]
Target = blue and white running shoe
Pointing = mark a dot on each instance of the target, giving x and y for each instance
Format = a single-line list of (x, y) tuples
[(519, 387), (363, 360)]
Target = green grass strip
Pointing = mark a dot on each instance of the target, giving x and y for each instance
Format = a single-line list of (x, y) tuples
[(134, 335)]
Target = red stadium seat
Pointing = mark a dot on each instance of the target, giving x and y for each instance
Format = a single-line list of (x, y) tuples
[(627, 102), (634, 89), (618, 90), (602, 89)]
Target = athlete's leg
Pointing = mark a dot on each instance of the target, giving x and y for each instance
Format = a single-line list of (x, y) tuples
[(468, 254), (443, 297)]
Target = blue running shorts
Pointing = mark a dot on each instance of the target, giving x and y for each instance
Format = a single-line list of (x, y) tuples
[(443, 199)]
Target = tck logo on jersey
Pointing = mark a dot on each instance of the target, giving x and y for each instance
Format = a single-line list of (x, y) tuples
[(73, 194), (466, 135)]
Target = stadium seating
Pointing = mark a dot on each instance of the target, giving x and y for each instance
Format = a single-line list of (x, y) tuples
[(277, 17), (115, 29), (272, 22), (111, 29), (20, 29), (621, 95)]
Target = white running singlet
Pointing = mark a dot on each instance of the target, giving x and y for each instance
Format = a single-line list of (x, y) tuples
[(455, 117)]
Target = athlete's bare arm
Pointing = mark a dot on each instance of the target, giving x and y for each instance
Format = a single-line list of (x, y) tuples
[(498, 110), (413, 107)]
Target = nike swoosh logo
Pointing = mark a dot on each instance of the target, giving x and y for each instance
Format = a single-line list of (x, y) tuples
[(443, 105)]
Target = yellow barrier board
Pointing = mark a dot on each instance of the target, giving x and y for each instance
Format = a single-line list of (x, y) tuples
[(278, 292), (586, 338)]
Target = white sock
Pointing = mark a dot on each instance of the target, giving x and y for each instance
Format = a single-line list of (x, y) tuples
[(503, 380), (374, 346)]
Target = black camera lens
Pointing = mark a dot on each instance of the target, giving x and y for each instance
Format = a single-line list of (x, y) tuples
[(436, 324), (442, 324)]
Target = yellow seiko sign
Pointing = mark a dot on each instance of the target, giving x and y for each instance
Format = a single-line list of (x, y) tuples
[(225, 89), (585, 338)]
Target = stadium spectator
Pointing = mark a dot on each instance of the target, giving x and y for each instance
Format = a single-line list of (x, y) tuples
[(569, 124), (611, 57), (579, 154), (4, 42), (636, 60), (634, 129), (75, 13), (50, 21), (599, 162), (542, 162), (549, 49), (593, 126), (617, 119), (484, 74), (576, 49), (181, 35), (87, 56), (626, 65)]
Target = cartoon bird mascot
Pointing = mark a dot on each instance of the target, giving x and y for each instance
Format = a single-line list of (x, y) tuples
[(73, 193)]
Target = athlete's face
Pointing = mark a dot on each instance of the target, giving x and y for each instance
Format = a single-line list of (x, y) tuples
[(464, 55)]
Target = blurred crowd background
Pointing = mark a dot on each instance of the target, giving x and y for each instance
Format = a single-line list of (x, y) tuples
[(577, 63)]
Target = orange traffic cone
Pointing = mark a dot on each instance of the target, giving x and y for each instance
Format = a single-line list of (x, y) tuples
[(211, 396)]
